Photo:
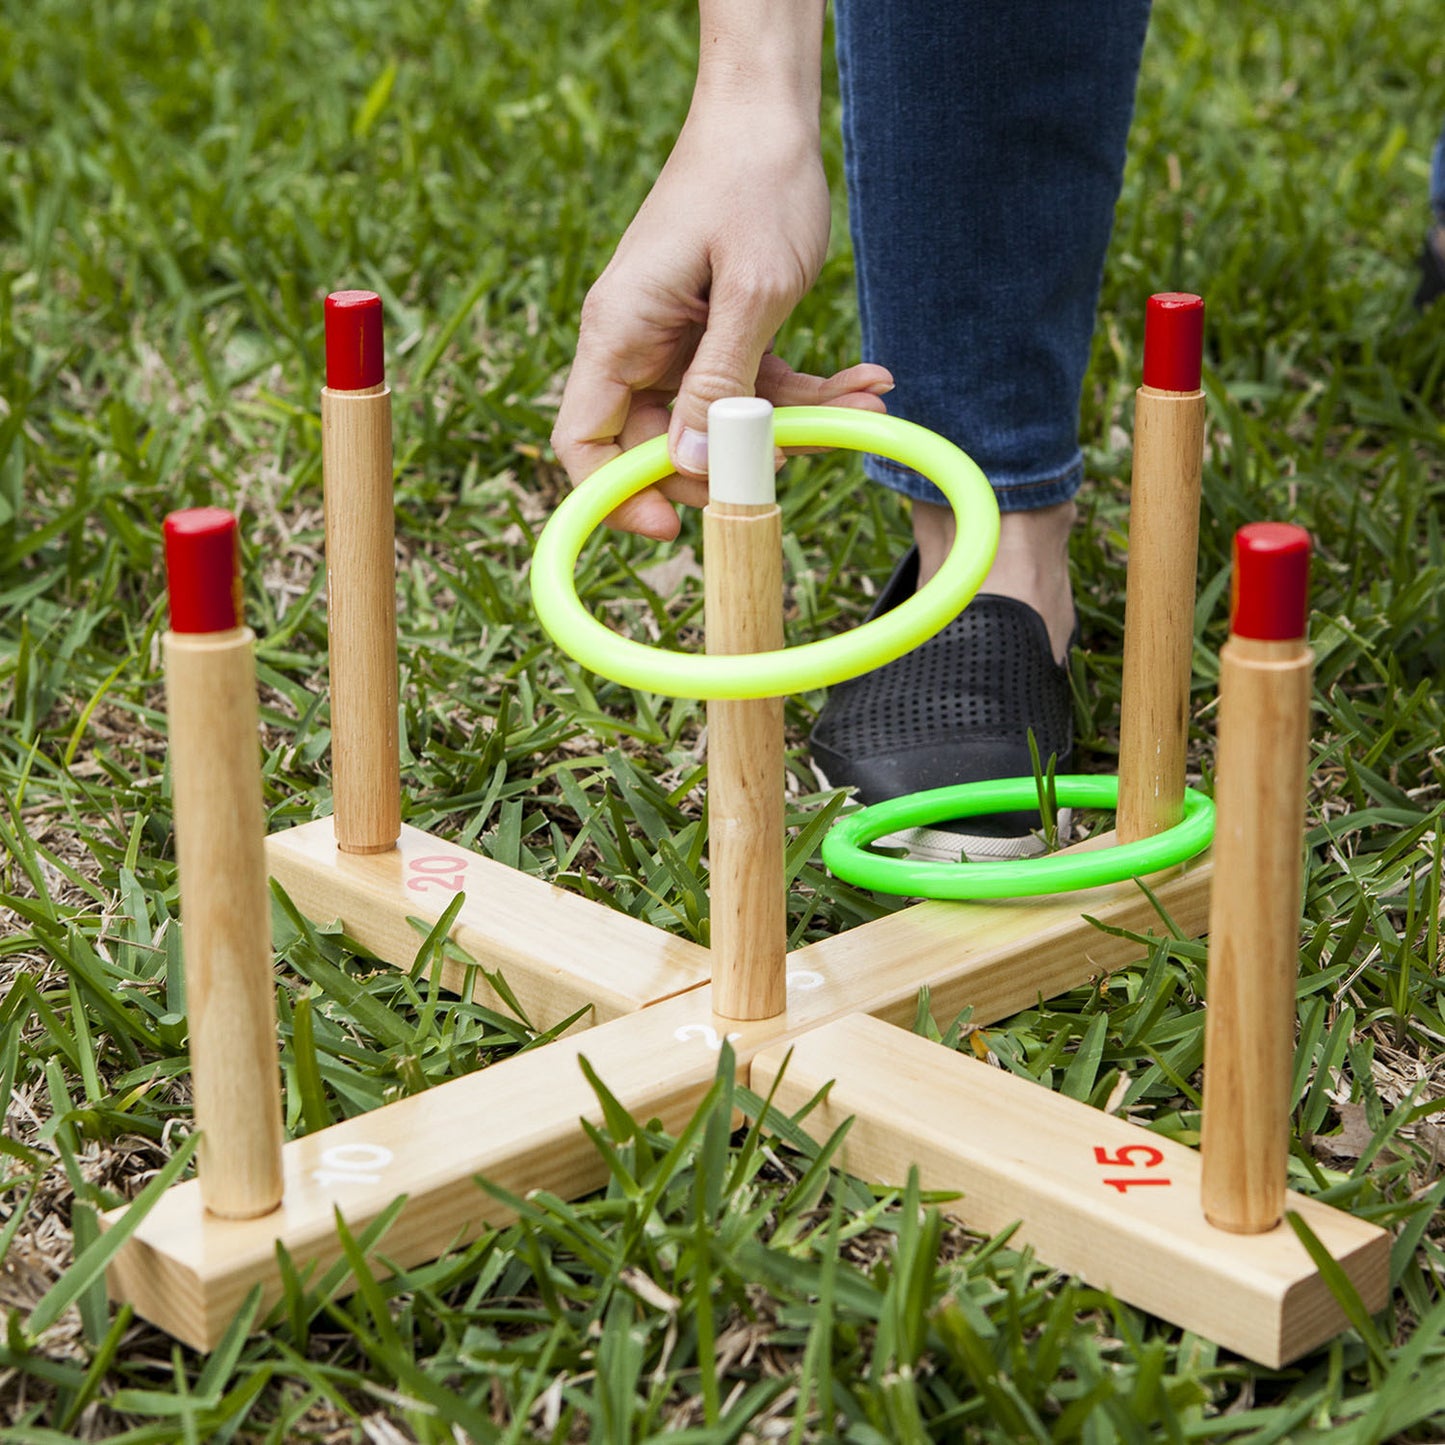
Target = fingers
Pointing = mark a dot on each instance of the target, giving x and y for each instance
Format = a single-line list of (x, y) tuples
[(584, 445), (860, 387), (743, 316), (648, 514), (863, 385), (601, 416), (594, 409), (630, 350), (652, 513)]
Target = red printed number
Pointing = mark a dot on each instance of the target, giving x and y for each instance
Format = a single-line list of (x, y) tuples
[(1122, 1159), (436, 871)]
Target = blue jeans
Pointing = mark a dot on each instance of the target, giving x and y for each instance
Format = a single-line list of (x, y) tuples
[(1437, 180), (984, 146)]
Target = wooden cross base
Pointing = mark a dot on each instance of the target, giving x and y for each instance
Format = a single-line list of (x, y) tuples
[(516, 1122), (558, 952), (1095, 1196)]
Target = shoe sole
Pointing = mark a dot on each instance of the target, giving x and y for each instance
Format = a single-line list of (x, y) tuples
[(941, 845)]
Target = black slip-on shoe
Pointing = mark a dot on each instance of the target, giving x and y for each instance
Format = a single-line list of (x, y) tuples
[(1432, 268), (956, 709)]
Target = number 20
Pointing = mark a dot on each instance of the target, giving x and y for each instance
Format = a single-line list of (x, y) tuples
[(437, 870)]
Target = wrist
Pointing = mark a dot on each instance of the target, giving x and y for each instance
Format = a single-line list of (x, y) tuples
[(761, 52)]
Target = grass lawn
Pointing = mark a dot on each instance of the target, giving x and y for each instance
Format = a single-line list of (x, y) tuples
[(179, 186)]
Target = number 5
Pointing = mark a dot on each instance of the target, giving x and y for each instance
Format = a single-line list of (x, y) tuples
[(1121, 1159)]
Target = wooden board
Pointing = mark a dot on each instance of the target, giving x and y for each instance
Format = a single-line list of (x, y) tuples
[(516, 1121), (1098, 1197), (558, 952), (1000, 957)]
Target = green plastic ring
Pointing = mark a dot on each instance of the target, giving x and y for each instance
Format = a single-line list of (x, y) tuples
[(845, 846), (787, 670)]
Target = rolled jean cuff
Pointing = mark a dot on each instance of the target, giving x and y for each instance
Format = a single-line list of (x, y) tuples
[(1014, 493), (1437, 179)]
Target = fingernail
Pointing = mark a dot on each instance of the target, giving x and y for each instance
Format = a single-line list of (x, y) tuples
[(690, 453), (882, 388)]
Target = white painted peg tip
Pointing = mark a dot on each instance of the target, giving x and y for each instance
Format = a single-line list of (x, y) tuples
[(740, 451)]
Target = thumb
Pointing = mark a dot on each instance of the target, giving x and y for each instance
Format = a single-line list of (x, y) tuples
[(725, 363)]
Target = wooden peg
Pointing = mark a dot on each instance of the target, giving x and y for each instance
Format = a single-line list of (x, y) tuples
[(1265, 673), (743, 612), (1163, 546), (220, 836), (360, 576)]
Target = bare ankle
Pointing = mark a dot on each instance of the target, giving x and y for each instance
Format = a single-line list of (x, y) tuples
[(1032, 564), (933, 533)]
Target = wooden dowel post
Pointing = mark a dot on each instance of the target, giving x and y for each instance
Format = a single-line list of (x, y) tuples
[(360, 577), (220, 838), (1163, 549), (743, 612), (1265, 675)]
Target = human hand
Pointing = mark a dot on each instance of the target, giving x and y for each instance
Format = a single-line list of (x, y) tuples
[(731, 236)]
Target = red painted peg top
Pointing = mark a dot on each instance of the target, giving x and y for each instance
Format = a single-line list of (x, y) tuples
[(355, 356), (203, 570), (1173, 341), (1269, 592)]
